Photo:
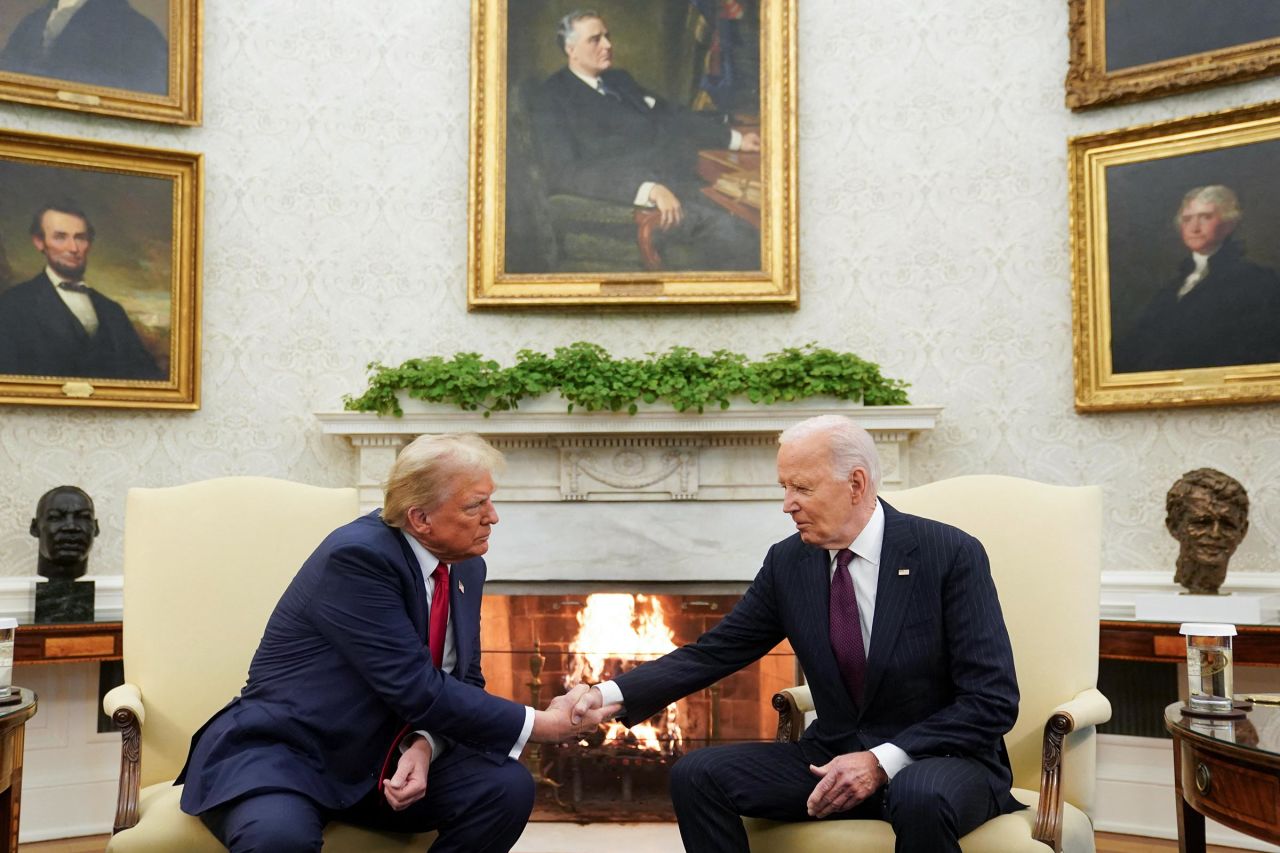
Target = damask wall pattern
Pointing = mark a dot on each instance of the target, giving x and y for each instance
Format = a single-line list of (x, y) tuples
[(934, 240)]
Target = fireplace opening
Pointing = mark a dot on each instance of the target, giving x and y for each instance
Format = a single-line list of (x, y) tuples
[(537, 646)]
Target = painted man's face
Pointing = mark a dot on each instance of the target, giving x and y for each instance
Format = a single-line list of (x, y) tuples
[(590, 51), (1203, 228), (65, 243)]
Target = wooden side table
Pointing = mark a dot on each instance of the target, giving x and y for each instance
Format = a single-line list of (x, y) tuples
[(13, 722), (68, 642), (1159, 642), (1226, 770)]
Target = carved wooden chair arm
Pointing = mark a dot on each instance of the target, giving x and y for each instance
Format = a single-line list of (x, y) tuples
[(123, 705), (1088, 708), (647, 221), (792, 703)]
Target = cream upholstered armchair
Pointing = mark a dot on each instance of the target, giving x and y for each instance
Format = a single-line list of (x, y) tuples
[(204, 565), (1045, 548)]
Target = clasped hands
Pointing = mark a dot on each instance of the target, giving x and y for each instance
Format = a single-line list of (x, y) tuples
[(844, 782), (563, 720)]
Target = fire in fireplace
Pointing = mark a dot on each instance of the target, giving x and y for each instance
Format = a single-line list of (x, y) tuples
[(537, 646)]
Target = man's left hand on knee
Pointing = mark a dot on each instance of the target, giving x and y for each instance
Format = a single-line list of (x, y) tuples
[(845, 781)]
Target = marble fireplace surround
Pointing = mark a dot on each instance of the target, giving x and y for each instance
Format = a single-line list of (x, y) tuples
[(656, 497)]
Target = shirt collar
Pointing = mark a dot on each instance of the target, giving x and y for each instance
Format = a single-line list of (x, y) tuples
[(426, 560), (585, 78), (870, 542), (1199, 260)]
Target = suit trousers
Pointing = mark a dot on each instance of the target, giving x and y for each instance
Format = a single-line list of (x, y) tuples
[(476, 806), (713, 238), (931, 803)]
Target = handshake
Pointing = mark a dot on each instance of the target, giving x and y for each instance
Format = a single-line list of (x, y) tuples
[(571, 715)]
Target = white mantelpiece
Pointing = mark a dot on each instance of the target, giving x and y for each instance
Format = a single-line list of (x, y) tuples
[(657, 496)]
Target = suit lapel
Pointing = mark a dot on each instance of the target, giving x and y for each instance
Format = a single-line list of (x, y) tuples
[(893, 592), (57, 315), (417, 607), (460, 601)]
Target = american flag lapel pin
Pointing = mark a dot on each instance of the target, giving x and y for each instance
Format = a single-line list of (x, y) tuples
[(461, 589), (902, 573)]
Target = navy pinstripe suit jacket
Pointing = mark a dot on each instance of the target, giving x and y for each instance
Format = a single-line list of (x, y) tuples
[(940, 679)]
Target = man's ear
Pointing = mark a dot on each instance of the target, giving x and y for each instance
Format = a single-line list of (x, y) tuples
[(38, 242), (35, 528), (857, 484), (418, 520)]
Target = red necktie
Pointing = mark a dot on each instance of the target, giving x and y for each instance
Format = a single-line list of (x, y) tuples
[(846, 627), (439, 614)]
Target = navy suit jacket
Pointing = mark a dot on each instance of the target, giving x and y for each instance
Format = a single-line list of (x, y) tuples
[(939, 680), (342, 667), (39, 336), (605, 147)]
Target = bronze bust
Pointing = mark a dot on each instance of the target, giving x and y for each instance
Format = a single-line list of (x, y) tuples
[(66, 527), (1208, 513)]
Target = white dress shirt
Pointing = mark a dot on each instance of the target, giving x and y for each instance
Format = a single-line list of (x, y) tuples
[(427, 563), (78, 303), (1197, 275), (864, 570)]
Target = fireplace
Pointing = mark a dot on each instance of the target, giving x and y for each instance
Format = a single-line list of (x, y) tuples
[(582, 497), (538, 645)]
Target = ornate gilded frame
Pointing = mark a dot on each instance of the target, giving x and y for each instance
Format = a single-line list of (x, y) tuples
[(491, 286), (1097, 386), (180, 105), (182, 173), (1089, 84)]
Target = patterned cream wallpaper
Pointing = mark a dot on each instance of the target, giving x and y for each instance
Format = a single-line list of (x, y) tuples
[(934, 240)]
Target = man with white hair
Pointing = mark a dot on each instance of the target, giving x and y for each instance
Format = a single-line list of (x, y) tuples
[(896, 623), (367, 680), (1220, 309)]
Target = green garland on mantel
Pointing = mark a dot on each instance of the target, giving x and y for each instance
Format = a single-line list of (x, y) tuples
[(591, 379)]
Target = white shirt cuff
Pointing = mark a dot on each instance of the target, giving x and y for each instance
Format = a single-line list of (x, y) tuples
[(735, 140), (524, 734), (610, 693), (642, 195), (892, 758), (432, 742)]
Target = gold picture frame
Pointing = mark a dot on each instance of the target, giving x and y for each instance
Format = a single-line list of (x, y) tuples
[(125, 223), (532, 243), (158, 79), (1164, 49), (1167, 312)]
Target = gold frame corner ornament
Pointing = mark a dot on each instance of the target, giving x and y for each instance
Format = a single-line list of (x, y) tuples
[(184, 172), (775, 284), (182, 104), (1089, 84), (1097, 387)]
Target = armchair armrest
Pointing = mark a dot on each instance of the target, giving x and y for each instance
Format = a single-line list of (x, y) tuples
[(124, 705), (1088, 708), (792, 703)]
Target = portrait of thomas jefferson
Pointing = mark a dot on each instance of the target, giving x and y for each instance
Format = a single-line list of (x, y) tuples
[(1219, 308), (94, 42)]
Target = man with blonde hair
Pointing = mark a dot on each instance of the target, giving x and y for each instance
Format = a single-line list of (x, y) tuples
[(896, 623), (367, 681)]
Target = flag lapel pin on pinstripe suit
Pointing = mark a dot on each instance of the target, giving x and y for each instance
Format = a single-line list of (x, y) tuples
[(902, 573)]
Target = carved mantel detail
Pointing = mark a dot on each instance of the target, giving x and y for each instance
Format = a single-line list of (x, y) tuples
[(655, 455)]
